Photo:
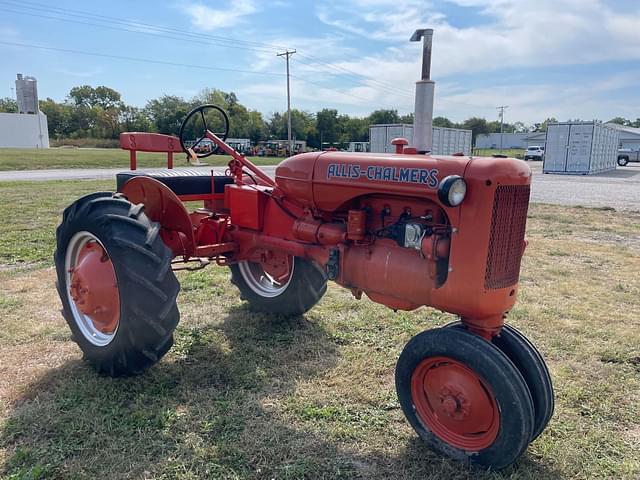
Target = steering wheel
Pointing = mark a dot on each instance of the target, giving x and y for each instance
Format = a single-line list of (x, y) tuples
[(196, 125)]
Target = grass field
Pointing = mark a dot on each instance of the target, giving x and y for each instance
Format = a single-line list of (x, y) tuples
[(242, 395), (40, 159), (509, 152)]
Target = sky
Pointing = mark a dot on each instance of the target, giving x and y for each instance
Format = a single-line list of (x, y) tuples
[(566, 59)]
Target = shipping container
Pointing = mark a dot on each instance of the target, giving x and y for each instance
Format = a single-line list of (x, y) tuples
[(446, 141), (580, 148)]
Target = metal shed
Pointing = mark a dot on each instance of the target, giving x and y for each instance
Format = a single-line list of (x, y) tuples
[(446, 141), (580, 148)]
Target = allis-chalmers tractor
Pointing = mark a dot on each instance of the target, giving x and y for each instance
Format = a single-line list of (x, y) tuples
[(406, 229)]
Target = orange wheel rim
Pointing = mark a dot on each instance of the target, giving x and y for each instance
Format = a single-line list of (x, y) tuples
[(455, 403), (94, 288)]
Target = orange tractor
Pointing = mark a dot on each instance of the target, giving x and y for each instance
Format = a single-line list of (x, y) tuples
[(406, 229)]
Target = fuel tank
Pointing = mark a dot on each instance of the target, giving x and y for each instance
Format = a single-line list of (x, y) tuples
[(328, 180)]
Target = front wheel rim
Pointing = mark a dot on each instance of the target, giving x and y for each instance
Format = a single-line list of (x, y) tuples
[(92, 289), (454, 403), (263, 283)]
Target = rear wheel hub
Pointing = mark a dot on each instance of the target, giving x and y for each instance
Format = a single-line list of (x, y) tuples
[(92, 289)]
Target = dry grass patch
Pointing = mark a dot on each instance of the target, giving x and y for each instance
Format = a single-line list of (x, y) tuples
[(242, 395)]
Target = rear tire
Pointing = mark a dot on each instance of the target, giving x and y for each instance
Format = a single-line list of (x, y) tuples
[(304, 288), (146, 285), (622, 161)]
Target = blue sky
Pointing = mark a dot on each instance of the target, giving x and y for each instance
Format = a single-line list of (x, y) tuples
[(561, 58)]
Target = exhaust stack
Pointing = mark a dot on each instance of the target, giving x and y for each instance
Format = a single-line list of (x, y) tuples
[(423, 119)]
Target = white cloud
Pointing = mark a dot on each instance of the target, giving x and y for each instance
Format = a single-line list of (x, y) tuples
[(514, 32), (507, 34), (518, 35), (209, 18)]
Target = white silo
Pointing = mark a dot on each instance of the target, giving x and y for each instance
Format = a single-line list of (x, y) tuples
[(27, 94)]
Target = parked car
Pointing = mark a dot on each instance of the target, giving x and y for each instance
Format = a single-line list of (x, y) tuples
[(534, 152), (626, 155)]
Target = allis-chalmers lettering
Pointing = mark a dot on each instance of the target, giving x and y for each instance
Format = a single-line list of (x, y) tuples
[(379, 173)]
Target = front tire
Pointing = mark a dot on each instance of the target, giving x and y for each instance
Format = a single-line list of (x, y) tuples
[(622, 161), (289, 295), (116, 285), (464, 397), (529, 362)]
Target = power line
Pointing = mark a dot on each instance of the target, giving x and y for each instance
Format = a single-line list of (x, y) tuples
[(134, 27), (172, 33), (176, 64), (143, 60), (134, 24), (351, 73), (311, 82), (366, 81)]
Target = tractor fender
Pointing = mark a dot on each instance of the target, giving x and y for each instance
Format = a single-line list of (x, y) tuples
[(163, 206)]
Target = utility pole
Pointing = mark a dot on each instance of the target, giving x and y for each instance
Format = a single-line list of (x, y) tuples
[(288, 54), (502, 109)]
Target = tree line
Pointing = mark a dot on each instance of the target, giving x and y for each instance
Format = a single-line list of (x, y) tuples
[(100, 113)]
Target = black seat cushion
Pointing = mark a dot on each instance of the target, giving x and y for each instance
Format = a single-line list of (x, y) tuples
[(182, 182)]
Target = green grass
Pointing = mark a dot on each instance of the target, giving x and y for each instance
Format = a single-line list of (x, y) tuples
[(51, 158), (509, 152), (244, 395), (30, 213)]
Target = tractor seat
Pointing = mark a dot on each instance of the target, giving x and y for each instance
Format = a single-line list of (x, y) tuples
[(182, 181)]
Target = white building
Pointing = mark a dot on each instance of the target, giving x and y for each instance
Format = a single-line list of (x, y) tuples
[(629, 136), (26, 130), (507, 140), (510, 140)]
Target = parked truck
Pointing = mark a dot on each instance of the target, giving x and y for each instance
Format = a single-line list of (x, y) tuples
[(626, 155)]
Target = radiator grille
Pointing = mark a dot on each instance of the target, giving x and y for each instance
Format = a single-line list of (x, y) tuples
[(508, 223)]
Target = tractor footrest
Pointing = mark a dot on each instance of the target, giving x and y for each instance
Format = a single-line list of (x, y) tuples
[(181, 181)]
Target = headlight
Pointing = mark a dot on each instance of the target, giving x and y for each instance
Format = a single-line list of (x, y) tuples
[(452, 190)]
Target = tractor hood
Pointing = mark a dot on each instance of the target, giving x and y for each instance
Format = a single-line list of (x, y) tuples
[(327, 180)]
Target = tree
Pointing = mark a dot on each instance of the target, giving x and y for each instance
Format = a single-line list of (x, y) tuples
[(478, 126), (408, 118), (620, 121), (353, 129), (133, 119), (167, 113), (520, 127), (8, 105), (327, 125), (542, 127), (59, 118), (443, 122), (384, 116), (256, 126), (103, 97)]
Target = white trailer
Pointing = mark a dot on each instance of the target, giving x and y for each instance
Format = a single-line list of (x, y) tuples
[(580, 148), (446, 141)]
